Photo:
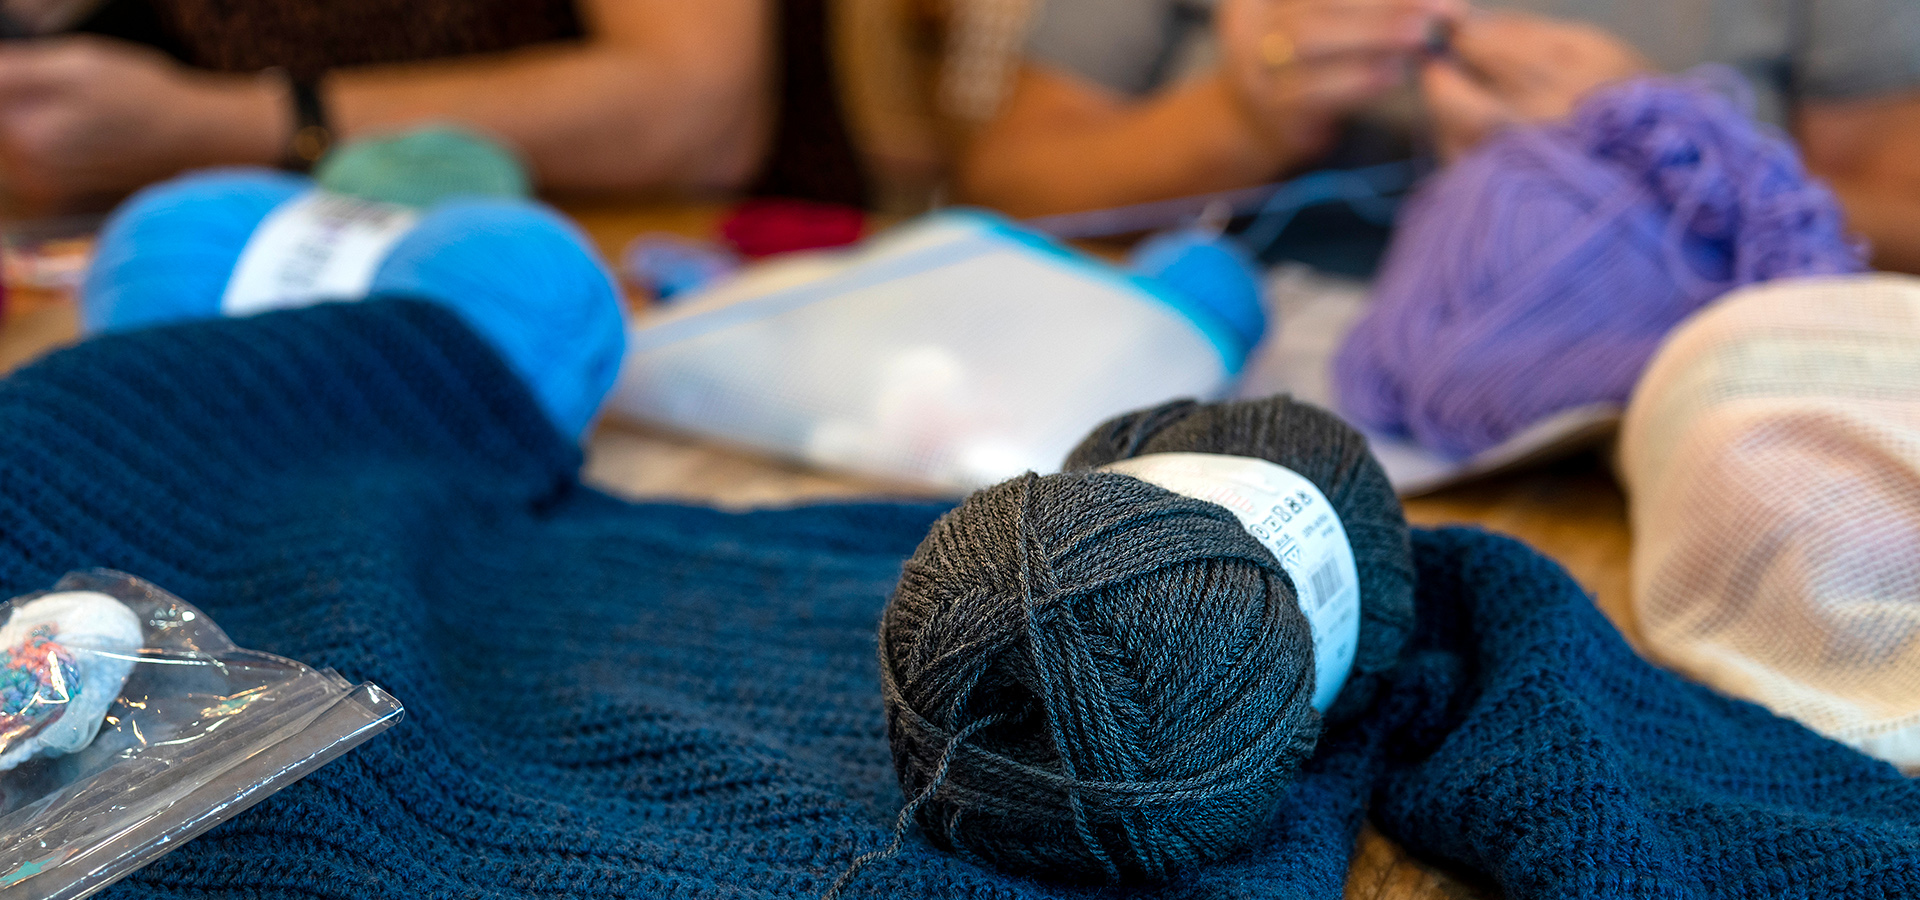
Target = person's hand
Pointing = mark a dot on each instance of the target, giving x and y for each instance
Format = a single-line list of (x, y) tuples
[(1508, 68), (82, 118), (1299, 66)]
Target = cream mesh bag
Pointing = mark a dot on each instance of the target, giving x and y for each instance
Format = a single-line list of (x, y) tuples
[(1772, 456)]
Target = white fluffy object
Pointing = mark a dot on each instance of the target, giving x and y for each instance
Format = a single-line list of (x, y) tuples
[(103, 636)]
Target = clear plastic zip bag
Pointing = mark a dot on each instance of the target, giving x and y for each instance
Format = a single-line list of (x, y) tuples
[(130, 724)]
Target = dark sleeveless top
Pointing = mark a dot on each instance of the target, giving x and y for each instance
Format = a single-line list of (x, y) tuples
[(811, 156), (308, 37)]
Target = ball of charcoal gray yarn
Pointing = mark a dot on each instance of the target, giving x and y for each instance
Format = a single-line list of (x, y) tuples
[(1326, 451), (1103, 681)]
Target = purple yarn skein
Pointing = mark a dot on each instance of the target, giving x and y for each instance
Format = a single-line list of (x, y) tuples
[(1540, 272)]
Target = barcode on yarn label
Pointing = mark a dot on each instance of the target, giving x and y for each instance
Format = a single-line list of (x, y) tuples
[(1327, 581), (317, 246), (1293, 519)]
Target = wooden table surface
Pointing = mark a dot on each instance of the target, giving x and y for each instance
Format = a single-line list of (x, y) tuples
[(1572, 511)]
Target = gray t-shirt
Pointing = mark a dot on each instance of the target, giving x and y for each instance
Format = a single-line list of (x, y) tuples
[(1788, 49)]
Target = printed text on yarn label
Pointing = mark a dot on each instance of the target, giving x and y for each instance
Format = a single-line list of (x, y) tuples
[(1289, 515), (317, 246)]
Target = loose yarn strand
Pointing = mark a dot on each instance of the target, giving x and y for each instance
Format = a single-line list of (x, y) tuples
[(907, 812), (1372, 192), (1062, 748), (1368, 191)]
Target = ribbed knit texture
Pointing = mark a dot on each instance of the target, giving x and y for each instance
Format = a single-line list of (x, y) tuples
[(1529, 744), (617, 700), (603, 699)]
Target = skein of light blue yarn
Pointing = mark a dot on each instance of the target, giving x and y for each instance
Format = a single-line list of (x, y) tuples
[(1212, 271), (522, 276), (165, 254), (560, 325)]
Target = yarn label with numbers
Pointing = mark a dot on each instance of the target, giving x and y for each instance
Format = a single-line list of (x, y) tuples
[(317, 246), (1293, 519)]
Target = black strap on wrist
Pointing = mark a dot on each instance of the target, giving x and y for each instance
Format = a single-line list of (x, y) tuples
[(312, 136)]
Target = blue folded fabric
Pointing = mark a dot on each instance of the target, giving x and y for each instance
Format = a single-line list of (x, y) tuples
[(609, 699), (1529, 744)]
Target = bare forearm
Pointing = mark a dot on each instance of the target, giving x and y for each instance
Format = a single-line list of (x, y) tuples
[(1190, 140), (1869, 151), (659, 94), (589, 118), (1889, 220)]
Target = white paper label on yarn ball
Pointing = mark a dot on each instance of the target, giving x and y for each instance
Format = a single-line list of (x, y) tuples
[(1288, 514), (317, 246)]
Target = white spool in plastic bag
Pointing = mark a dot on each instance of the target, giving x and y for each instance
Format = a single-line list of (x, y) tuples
[(78, 646), (132, 725), (1772, 457), (956, 350)]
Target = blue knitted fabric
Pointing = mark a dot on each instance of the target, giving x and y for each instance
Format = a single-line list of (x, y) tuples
[(1529, 744), (617, 700)]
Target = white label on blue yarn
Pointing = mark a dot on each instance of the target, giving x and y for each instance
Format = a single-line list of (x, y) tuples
[(317, 246), (1287, 513)]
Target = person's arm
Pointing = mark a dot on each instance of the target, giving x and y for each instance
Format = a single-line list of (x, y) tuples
[(664, 93), (1062, 144), (1291, 69), (1869, 151), (659, 94)]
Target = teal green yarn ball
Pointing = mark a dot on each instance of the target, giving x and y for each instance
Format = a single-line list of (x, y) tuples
[(424, 166)]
